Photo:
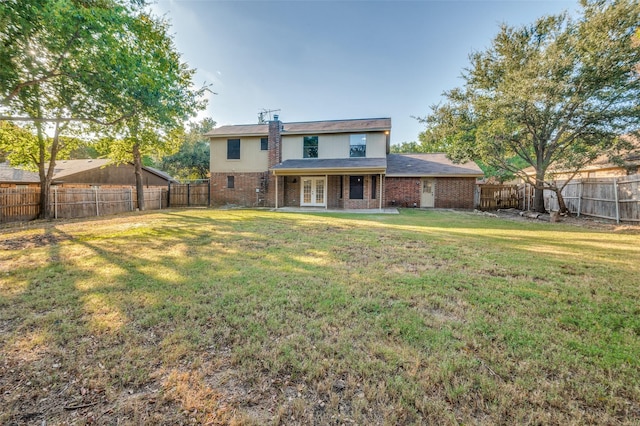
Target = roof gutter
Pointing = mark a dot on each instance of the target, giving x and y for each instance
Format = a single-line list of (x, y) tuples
[(329, 171)]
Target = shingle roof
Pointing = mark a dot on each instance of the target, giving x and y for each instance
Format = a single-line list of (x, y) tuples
[(160, 173), (15, 175), (332, 164), (71, 167), (62, 169), (65, 168), (240, 130), (306, 127), (436, 165)]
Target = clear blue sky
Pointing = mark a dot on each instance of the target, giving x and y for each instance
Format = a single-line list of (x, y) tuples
[(330, 60)]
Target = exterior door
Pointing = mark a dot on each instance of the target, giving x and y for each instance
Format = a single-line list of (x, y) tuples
[(312, 192), (427, 198)]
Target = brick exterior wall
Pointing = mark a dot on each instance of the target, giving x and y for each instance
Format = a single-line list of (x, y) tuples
[(244, 191), (449, 193), (275, 142), (334, 198), (290, 191), (402, 191), (454, 193), (367, 202)]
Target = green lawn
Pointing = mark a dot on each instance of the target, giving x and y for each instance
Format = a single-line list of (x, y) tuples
[(256, 317)]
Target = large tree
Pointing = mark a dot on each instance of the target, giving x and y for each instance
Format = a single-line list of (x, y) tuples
[(192, 159), (555, 94), (49, 60), (156, 99), (86, 66)]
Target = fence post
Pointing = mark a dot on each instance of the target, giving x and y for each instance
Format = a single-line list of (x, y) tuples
[(209, 192), (615, 195), (188, 195), (169, 194), (160, 197), (579, 197), (130, 199), (97, 205), (55, 202)]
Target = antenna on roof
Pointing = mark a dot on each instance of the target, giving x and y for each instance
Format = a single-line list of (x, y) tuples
[(264, 116)]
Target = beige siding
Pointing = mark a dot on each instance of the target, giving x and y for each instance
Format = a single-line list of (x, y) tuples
[(376, 145), (333, 146), (252, 158)]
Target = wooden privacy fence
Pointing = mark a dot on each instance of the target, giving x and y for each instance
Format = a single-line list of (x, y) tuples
[(493, 197), (190, 194), (70, 203), (608, 198), (19, 204), (24, 203)]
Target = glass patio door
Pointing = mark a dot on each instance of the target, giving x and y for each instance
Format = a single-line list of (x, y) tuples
[(312, 192)]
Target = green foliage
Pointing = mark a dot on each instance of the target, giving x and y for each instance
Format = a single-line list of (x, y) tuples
[(555, 94), (20, 144), (15, 142), (406, 148), (103, 66), (192, 159)]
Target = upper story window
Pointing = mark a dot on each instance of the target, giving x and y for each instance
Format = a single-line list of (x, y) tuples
[(233, 149), (264, 144), (310, 147), (357, 146)]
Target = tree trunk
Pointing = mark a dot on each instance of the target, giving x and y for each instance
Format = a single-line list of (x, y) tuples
[(538, 195), (46, 175), (137, 165), (562, 207)]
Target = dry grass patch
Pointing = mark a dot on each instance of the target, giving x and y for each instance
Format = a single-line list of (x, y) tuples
[(254, 317)]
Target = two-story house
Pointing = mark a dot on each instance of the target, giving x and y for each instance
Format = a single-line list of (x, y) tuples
[(331, 164)]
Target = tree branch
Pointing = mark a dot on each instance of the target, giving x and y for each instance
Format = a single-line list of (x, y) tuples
[(67, 119)]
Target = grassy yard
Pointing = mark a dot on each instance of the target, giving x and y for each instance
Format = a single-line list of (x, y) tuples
[(255, 317)]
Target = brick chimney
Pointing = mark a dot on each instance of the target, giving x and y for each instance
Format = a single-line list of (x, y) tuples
[(275, 141)]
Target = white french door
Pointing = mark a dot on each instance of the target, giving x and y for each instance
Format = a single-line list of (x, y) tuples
[(313, 191)]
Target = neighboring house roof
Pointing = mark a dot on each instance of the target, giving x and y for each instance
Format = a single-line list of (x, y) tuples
[(630, 160), (10, 174), (331, 165), (306, 127), (429, 165), (160, 173), (66, 168)]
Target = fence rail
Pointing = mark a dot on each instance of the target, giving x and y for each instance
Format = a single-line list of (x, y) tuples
[(494, 197), (615, 198), (189, 194), (23, 204)]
